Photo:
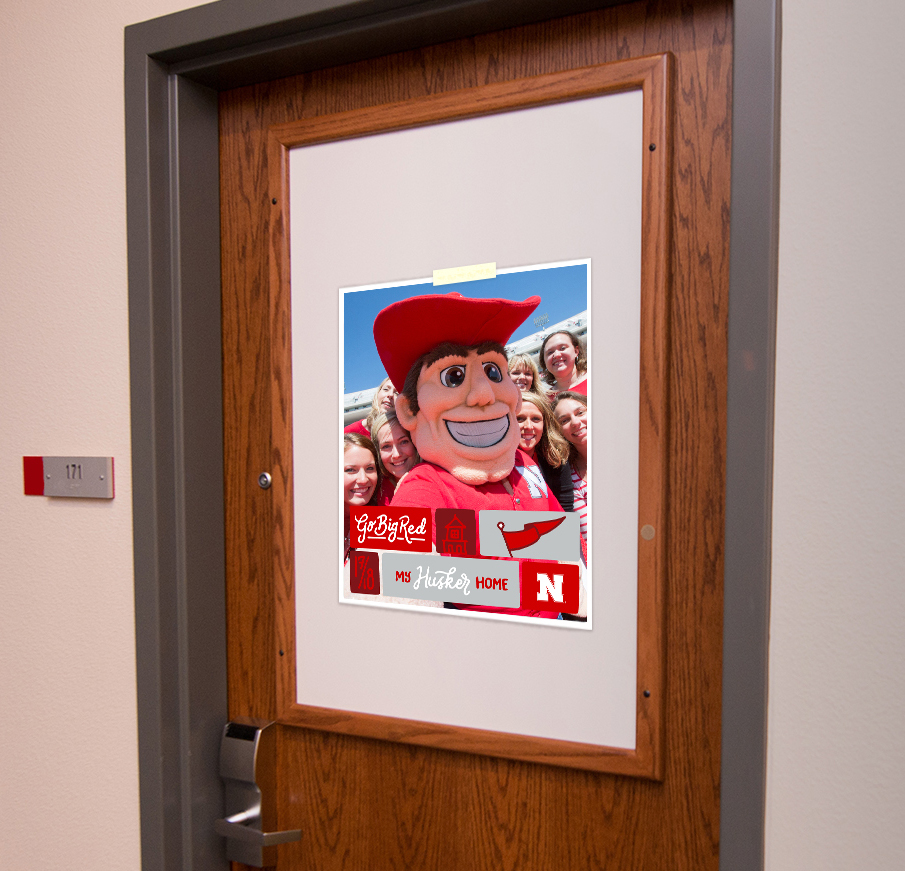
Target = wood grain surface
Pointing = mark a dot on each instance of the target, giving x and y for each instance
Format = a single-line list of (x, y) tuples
[(370, 804), (651, 75)]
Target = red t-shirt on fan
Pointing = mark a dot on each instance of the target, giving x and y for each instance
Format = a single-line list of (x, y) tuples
[(387, 488), (430, 486), (581, 387), (359, 427)]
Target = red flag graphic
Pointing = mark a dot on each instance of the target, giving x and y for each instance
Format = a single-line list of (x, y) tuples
[(521, 538)]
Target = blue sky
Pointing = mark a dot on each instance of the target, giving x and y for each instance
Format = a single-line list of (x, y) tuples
[(563, 291)]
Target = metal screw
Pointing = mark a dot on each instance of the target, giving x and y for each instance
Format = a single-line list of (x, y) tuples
[(264, 480), (274, 201), (652, 147), (647, 694)]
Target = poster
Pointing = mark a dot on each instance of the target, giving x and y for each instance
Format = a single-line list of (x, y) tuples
[(389, 209), (464, 485)]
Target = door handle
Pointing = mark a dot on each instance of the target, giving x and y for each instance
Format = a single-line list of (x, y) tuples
[(231, 828), (241, 749)]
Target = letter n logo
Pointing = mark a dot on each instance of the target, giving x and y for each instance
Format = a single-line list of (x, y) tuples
[(549, 587)]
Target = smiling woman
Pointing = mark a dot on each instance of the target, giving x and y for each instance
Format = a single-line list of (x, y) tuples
[(395, 452), (541, 438), (571, 410), (380, 404), (361, 476), (563, 362), (523, 371)]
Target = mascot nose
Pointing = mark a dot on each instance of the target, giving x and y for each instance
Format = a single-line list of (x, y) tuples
[(480, 391)]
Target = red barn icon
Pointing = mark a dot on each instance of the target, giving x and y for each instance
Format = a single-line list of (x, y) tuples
[(457, 532)]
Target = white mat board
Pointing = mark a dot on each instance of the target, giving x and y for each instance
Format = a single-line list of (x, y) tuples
[(555, 183)]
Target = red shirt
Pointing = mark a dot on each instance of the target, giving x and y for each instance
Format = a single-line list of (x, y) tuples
[(581, 387), (430, 486), (387, 488), (359, 427)]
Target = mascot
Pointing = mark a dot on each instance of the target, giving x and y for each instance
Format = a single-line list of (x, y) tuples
[(459, 405)]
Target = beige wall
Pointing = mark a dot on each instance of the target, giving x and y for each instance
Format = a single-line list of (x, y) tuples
[(68, 765), (836, 766), (836, 770)]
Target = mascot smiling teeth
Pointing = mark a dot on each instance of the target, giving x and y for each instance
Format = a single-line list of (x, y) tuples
[(483, 434)]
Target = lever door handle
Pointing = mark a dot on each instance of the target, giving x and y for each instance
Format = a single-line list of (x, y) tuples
[(238, 831), (242, 826)]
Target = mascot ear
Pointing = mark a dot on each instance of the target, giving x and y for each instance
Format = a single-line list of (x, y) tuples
[(404, 413)]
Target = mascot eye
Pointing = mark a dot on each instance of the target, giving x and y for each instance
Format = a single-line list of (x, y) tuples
[(453, 376), (492, 371)]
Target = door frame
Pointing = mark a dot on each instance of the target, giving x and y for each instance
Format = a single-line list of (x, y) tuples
[(174, 68)]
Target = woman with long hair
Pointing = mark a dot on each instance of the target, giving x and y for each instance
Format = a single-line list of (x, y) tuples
[(395, 452), (361, 477), (543, 441), (571, 411), (564, 362), (362, 483), (384, 397), (523, 371)]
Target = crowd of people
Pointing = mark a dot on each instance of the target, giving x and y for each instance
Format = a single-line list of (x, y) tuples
[(553, 428)]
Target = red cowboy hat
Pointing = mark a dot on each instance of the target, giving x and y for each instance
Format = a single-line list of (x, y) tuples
[(409, 328)]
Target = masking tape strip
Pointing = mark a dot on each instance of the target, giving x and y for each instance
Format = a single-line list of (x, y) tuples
[(458, 274)]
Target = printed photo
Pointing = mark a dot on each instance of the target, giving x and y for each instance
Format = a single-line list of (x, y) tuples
[(466, 452)]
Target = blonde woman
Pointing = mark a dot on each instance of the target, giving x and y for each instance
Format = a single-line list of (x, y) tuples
[(523, 371), (541, 438), (384, 397), (395, 452)]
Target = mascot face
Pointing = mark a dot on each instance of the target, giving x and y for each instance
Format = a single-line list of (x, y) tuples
[(466, 416)]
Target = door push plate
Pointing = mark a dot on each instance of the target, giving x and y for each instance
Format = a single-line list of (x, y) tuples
[(240, 754)]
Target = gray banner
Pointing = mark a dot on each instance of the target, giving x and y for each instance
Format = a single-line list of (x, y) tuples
[(450, 579), (561, 544)]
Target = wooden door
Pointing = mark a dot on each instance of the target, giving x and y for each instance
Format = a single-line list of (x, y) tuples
[(371, 804)]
